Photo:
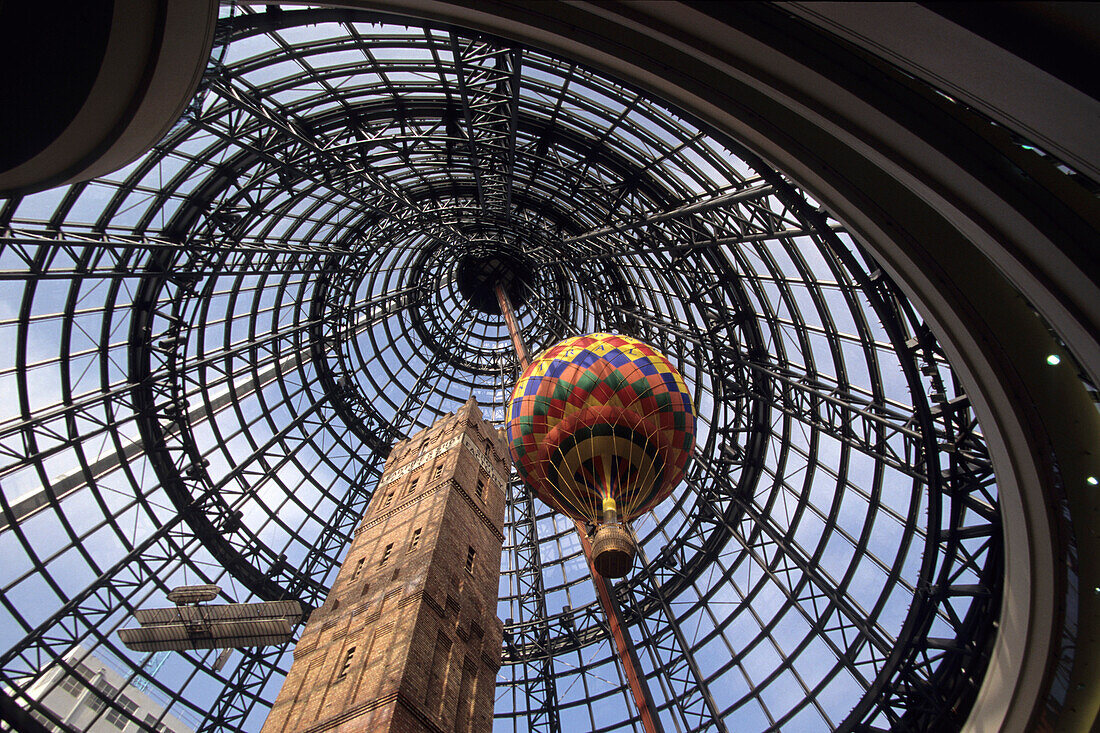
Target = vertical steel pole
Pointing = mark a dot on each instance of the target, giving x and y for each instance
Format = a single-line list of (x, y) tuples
[(628, 657), (513, 327)]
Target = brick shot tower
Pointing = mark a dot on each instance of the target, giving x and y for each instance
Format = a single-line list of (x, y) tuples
[(408, 639)]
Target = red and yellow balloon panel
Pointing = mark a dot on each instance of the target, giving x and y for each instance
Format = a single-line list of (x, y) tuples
[(601, 421)]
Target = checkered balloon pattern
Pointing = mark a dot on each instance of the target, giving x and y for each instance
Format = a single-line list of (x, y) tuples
[(601, 416)]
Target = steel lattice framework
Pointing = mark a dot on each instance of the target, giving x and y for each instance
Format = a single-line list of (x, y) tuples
[(209, 353)]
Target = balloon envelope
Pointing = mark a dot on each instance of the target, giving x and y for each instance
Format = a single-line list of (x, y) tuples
[(601, 417)]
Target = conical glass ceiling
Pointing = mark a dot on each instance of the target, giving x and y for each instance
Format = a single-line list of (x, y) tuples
[(210, 352)]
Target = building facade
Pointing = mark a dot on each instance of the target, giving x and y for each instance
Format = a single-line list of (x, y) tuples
[(68, 693), (408, 638)]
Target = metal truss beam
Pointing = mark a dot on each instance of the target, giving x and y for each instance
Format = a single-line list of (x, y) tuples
[(685, 686), (211, 510), (935, 670), (529, 635), (47, 496), (750, 190), (886, 432), (336, 321), (254, 670), (243, 692), (903, 688), (91, 616), (43, 250), (288, 144), (363, 316), (719, 220), (488, 79), (257, 667)]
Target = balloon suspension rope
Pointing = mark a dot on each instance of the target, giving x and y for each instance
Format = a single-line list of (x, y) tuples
[(628, 657)]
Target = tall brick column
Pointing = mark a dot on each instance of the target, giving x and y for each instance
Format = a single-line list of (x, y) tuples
[(408, 638)]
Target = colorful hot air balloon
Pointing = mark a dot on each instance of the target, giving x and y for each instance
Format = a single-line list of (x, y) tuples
[(601, 427)]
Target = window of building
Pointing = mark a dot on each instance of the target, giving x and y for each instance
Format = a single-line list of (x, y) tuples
[(415, 542), (347, 663), (438, 471), (118, 718), (97, 703), (412, 486), (481, 489), (358, 568), (386, 554), (71, 684), (470, 561), (389, 500)]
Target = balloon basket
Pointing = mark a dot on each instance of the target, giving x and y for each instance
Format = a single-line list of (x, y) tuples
[(613, 549)]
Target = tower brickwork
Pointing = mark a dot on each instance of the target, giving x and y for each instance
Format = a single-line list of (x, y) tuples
[(408, 639)]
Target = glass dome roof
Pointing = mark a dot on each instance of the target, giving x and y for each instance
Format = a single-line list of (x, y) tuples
[(211, 351)]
